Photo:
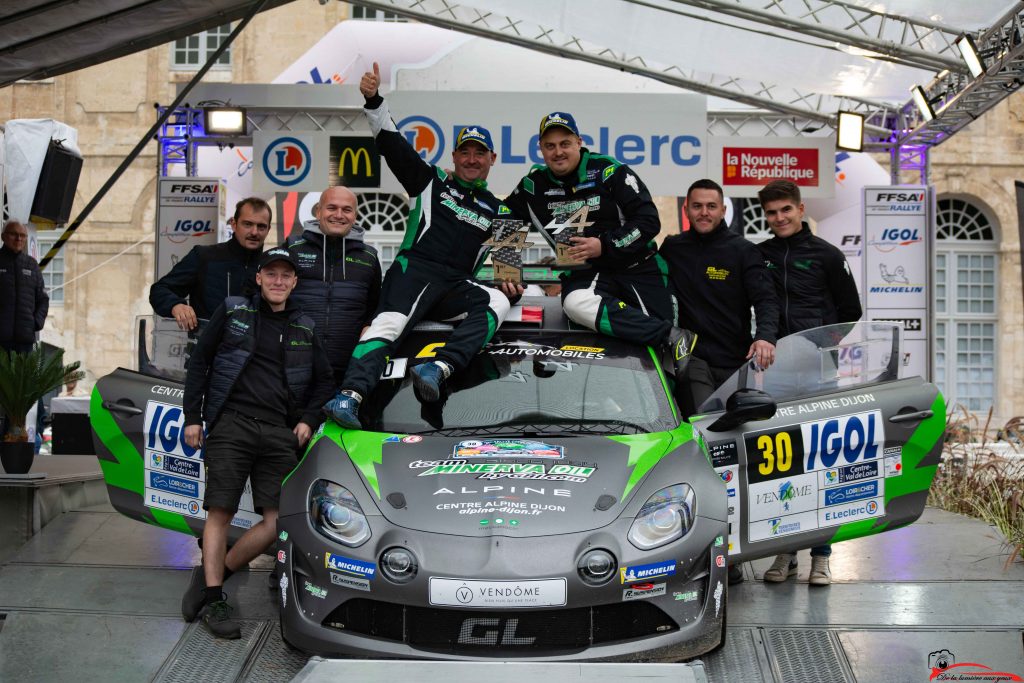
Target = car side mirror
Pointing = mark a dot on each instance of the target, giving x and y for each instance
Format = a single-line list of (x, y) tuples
[(744, 405)]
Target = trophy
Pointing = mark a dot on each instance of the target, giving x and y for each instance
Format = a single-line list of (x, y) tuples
[(563, 233), (508, 239)]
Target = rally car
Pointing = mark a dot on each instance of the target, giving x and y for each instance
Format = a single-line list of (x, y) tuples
[(553, 505)]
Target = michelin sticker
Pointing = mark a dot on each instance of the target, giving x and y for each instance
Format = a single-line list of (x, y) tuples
[(644, 572), (347, 565)]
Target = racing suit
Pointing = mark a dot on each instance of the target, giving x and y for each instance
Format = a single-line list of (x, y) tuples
[(716, 278), (448, 224), (338, 287), (624, 291)]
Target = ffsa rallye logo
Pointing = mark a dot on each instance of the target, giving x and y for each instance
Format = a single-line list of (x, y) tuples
[(814, 446)]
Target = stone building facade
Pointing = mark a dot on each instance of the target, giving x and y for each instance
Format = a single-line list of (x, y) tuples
[(109, 262)]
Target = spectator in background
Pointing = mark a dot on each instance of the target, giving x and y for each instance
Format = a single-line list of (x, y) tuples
[(23, 299), (198, 284)]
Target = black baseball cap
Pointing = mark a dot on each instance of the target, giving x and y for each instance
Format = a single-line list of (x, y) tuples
[(277, 254)]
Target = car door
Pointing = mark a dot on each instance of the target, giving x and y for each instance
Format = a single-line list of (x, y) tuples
[(851, 449)]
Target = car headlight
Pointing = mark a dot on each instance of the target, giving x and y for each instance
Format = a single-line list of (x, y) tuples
[(666, 516), (336, 514)]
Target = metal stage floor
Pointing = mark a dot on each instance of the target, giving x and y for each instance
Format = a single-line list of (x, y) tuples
[(95, 597)]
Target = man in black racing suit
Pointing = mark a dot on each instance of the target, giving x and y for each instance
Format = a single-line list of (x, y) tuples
[(622, 289), (433, 271)]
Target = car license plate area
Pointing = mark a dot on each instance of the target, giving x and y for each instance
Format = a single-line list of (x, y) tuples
[(472, 593)]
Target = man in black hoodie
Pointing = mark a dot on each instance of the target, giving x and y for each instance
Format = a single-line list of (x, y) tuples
[(815, 288), (339, 275), (717, 276), (258, 377), (199, 283)]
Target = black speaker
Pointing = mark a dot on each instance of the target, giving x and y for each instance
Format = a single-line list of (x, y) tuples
[(58, 180)]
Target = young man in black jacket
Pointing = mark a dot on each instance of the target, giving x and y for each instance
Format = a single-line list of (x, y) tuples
[(339, 275), (200, 282), (716, 277), (23, 299), (448, 224), (258, 377), (815, 287), (620, 289)]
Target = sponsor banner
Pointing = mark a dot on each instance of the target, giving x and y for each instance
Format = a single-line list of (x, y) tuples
[(642, 591), (840, 495), (189, 212), (842, 441), (895, 201), (851, 512), (164, 431), (505, 448), (782, 526), (845, 475), (183, 505), (730, 475), (170, 484), (660, 136), (894, 465), (723, 453), (488, 594), (290, 162), (742, 166), (350, 566), (644, 572), (185, 467), (780, 497), (350, 582)]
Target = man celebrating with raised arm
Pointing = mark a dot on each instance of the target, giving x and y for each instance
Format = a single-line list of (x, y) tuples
[(449, 222), (620, 288)]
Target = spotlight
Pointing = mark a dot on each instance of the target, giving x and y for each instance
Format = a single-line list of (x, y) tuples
[(969, 51), (923, 105), (224, 120), (851, 131)]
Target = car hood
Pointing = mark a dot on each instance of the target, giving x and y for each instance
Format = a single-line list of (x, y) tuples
[(511, 486)]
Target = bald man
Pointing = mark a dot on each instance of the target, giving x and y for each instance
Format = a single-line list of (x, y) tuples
[(23, 299), (339, 275)]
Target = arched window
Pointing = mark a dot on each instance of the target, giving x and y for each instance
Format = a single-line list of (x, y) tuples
[(383, 216), (751, 217), (966, 309)]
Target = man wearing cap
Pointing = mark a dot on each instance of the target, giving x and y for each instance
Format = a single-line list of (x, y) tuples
[(620, 288), (448, 224), (258, 377)]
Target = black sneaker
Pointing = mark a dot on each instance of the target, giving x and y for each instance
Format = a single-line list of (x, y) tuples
[(427, 378), (192, 600), (217, 620), (735, 574), (680, 345)]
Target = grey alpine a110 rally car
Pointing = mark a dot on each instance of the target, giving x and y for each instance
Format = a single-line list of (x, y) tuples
[(553, 505)]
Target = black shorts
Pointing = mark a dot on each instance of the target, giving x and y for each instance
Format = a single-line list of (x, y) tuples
[(240, 447)]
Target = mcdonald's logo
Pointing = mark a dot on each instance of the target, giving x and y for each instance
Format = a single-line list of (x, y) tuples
[(354, 162)]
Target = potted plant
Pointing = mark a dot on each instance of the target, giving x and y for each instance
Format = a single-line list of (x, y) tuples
[(24, 379)]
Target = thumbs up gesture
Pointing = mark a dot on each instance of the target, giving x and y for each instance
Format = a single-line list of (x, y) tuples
[(370, 82)]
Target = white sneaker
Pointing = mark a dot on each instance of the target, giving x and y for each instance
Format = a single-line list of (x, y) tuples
[(782, 568), (820, 575)]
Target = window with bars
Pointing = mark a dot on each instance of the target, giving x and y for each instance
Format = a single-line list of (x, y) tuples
[(189, 54), (368, 14), (53, 274), (966, 309), (755, 227)]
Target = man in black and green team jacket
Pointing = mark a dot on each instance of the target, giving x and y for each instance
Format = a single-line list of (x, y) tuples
[(621, 288), (258, 377), (449, 222)]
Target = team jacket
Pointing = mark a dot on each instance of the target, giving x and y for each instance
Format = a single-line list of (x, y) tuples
[(338, 287), (716, 278), (206, 276), (23, 299), (225, 347), (450, 219), (812, 280), (611, 195)]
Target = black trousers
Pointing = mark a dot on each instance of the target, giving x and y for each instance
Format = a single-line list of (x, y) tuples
[(698, 383), (407, 296), (633, 303)]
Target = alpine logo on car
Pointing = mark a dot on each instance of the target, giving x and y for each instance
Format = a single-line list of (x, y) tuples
[(646, 571)]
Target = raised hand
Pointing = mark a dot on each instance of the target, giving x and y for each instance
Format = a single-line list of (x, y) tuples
[(370, 82)]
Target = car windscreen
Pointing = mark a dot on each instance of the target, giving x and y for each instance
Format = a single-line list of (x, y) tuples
[(526, 381)]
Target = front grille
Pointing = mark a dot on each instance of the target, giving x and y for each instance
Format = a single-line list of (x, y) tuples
[(509, 632)]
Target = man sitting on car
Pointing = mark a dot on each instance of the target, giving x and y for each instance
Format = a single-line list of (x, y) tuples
[(258, 377)]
